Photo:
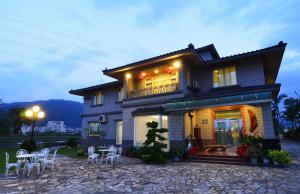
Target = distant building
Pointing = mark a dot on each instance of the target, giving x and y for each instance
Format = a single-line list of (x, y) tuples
[(57, 126)]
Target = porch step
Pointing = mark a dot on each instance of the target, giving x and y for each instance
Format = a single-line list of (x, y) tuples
[(219, 159)]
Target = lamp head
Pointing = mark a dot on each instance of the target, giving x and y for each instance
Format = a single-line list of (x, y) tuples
[(36, 108)]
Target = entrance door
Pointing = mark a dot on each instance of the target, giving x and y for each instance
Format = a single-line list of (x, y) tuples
[(228, 125)]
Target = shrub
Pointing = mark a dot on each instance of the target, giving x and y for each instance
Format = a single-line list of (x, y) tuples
[(282, 157), (176, 152), (26, 145), (152, 150), (72, 142), (82, 152), (133, 152)]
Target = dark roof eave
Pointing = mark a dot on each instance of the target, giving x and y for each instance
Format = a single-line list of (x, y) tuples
[(149, 60), (280, 46), (84, 91)]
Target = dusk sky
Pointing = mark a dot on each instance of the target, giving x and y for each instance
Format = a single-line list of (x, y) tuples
[(50, 47)]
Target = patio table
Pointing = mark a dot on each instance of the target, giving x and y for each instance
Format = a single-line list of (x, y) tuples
[(102, 152), (28, 155)]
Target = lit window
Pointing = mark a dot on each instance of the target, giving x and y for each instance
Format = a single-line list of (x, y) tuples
[(120, 94), (224, 76), (119, 131), (94, 128), (97, 98)]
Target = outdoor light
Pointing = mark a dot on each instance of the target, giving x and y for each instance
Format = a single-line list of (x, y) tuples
[(29, 113), (143, 74), (41, 115), (34, 113), (177, 64), (156, 71), (128, 75), (36, 109)]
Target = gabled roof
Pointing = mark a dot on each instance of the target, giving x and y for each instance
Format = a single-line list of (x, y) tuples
[(87, 90), (190, 52), (280, 45)]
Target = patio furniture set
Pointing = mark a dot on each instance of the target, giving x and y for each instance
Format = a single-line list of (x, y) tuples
[(37, 160), (111, 154)]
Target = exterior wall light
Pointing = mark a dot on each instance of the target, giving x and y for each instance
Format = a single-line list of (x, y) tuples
[(177, 64), (128, 75), (156, 71)]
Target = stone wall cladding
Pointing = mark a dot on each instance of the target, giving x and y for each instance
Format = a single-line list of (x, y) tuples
[(109, 127), (250, 73), (176, 127), (110, 103), (268, 121)]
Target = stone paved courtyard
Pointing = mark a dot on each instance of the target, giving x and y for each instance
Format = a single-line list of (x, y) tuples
[(75, 176)]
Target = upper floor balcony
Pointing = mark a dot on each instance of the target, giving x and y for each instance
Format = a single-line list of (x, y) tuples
[(152, 81)]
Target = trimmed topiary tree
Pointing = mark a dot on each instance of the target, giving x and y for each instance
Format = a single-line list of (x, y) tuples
[(152, 151)]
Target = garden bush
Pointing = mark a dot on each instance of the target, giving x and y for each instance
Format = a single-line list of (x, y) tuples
[(72, 142), (152, 150), (282, 157)]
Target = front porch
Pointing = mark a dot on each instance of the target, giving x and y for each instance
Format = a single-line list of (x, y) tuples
[(216, 131)]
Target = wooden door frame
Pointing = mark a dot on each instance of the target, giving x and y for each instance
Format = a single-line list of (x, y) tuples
[(224, 108)]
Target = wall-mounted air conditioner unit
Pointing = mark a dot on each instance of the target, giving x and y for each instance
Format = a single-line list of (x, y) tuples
[(102, 118), (195, 85)]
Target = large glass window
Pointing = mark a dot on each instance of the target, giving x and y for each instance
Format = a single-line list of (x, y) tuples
[(94, 128), (224, 76), (141, 129), (119, 130), (97, 98)]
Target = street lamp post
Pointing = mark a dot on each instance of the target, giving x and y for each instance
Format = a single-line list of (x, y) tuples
[(34, 113)]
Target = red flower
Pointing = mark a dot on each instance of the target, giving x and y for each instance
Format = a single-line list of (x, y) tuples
[(241, 150), (192, 151)]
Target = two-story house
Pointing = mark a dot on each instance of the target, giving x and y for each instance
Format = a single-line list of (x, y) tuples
[(193, 92)]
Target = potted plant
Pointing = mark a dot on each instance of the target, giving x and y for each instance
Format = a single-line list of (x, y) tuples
[(280, 157), (254, 146), (265, 157), (176, 154)]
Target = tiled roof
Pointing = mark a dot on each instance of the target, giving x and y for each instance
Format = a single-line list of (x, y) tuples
[(81, 91), (250, 53), (190, 48)]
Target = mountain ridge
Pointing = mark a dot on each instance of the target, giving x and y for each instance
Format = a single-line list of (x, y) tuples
[(55, 109)]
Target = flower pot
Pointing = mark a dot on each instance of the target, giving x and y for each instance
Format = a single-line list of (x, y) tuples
[(176, 159), (266, 160), (253, 160)]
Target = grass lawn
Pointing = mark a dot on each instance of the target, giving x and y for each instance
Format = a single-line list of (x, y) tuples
[(12, 157), (70, 152)]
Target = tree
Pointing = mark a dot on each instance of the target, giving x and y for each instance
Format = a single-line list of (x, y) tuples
[(18, 119), (153, 146), (292, 111), (275, 107)]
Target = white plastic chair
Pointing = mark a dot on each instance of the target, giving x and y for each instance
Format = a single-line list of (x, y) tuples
[(46, 162), (10, 165), (21, 160), (92, 156), (111, 154), (33, 163), (119, 154)]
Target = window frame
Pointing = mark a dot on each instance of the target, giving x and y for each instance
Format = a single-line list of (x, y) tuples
[(119, 121), (89, 129), (120, 95), (97, 100), (224, 70)]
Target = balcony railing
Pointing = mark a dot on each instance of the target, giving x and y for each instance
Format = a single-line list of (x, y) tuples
[(152, 91)]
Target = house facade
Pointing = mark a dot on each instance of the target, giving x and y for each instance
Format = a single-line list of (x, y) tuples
[(193, 92)]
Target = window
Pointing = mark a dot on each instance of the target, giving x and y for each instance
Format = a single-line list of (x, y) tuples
[(224, 76), (119, 130), (120, 95), (97, 98), (141, 129), (94, 128)]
